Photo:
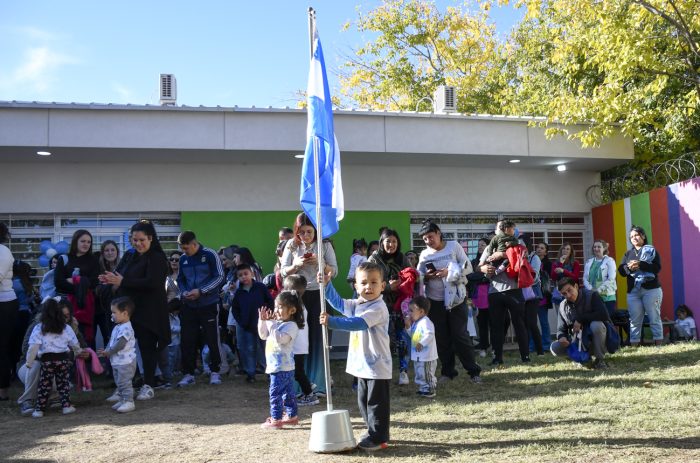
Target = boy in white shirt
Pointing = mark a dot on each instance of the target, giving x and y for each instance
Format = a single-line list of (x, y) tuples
[(423, 347), (121, 351), (369, 356)]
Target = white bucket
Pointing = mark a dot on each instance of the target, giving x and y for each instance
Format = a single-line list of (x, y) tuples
[(331, 432)]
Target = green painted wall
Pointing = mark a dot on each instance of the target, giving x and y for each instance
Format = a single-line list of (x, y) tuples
[(641, 213), (258, 231)]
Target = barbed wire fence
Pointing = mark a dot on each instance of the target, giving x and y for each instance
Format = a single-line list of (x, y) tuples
[(659, 175)]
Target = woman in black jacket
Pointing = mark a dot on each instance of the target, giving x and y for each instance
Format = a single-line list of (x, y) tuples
[(141, 276), (641, 265), (76, 276)]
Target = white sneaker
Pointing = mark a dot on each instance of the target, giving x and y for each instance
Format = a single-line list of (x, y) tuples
[(403, 378), (117, 405), (146, 393), (215, 378), (68, 410), (114, 397), (482, 353), (126, 407), (37, 414), (187, 380)]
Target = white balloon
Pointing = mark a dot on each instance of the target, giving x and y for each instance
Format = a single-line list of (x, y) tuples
[(50, 253)]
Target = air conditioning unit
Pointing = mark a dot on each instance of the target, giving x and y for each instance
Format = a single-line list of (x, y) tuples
[(445, 99), (168, 89)]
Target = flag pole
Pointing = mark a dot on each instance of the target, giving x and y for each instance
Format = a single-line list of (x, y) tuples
[(319, 240)]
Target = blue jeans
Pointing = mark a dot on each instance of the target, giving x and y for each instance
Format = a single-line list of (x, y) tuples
[(282, 395), (639, 302), (247, 344), (543, 315)]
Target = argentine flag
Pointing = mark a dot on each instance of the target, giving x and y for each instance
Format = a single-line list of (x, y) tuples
[(320, 134)]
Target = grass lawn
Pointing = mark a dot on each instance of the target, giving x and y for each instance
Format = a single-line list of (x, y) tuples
[(645, 408)]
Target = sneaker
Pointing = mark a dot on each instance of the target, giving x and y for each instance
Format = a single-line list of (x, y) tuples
[(145, 393), (187, 380), (126, 407), (250, 379), (426, 394), (68, 410), (368, 445), (114, 397), (525, 360), (476, 379), (600, 364), (37, 414), (287, 421), (308, 400), (271, 423), (403, 378), (117, 405), (26, 408), (482, 353), (215, 378)]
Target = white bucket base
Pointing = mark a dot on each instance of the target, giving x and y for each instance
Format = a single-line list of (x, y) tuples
[(331, 432)]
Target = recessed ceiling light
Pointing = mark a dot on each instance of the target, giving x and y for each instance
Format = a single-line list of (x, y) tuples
[(44, 153), (561, 167), (299, 156), (514, 161)]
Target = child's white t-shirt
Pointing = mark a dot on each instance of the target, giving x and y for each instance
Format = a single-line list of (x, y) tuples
[(686, 326), (53, 343), (278, 348), (301, 342), (128, 354), (369, 355), (423, 332)]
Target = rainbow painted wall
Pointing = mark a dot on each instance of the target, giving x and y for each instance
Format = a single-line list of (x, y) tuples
[(671, 218)]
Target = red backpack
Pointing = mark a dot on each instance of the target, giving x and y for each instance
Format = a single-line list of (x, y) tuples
[(519, 267)]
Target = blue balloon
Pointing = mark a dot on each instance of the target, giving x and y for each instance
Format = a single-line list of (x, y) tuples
[(43, 260), (45, 246), (61, 247)]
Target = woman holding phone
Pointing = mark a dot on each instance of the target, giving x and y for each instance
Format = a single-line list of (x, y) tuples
[(300, 256), (442, 265)]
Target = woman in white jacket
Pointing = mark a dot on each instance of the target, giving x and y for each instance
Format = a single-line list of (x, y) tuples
[(599, 275)]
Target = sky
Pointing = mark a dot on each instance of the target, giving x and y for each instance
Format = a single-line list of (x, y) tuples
[(222, 53)]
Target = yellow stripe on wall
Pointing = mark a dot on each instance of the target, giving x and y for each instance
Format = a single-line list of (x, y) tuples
[(620, 233)]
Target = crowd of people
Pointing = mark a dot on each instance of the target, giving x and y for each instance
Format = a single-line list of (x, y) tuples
[(197, 310)]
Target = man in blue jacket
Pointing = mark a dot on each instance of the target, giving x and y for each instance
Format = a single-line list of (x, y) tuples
[(199, 281)]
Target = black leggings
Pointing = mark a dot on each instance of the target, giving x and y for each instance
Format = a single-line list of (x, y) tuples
[(8, 317), (148, 346), (531, 310), (452, 337), (499, 303)]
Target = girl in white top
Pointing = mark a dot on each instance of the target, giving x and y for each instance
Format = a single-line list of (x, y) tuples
[(280, 329), (51, 341), (599, 274)]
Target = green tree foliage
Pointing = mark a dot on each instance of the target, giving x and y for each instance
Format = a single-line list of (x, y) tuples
[(416, 49), (606, 62), (632, 65)]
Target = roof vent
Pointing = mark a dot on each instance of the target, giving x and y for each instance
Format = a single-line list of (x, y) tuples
[(168, 90), (445, 99)]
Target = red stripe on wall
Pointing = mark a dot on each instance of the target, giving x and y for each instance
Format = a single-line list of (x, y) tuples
[(658, 204), (603, 227)]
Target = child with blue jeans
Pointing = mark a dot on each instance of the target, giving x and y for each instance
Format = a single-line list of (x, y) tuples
[(250, 296), (280, 328), (369, 355)]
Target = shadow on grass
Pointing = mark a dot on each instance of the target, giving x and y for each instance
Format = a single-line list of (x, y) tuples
[(445, 450)]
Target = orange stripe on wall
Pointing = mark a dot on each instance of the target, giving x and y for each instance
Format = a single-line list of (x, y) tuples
[(661, 232)]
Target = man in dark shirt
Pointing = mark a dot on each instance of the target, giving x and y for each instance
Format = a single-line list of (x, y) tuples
[(581, 311)]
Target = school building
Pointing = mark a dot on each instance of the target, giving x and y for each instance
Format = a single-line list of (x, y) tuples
[(232, 175)]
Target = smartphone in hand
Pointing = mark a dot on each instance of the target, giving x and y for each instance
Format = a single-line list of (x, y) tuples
[(430, 267)]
